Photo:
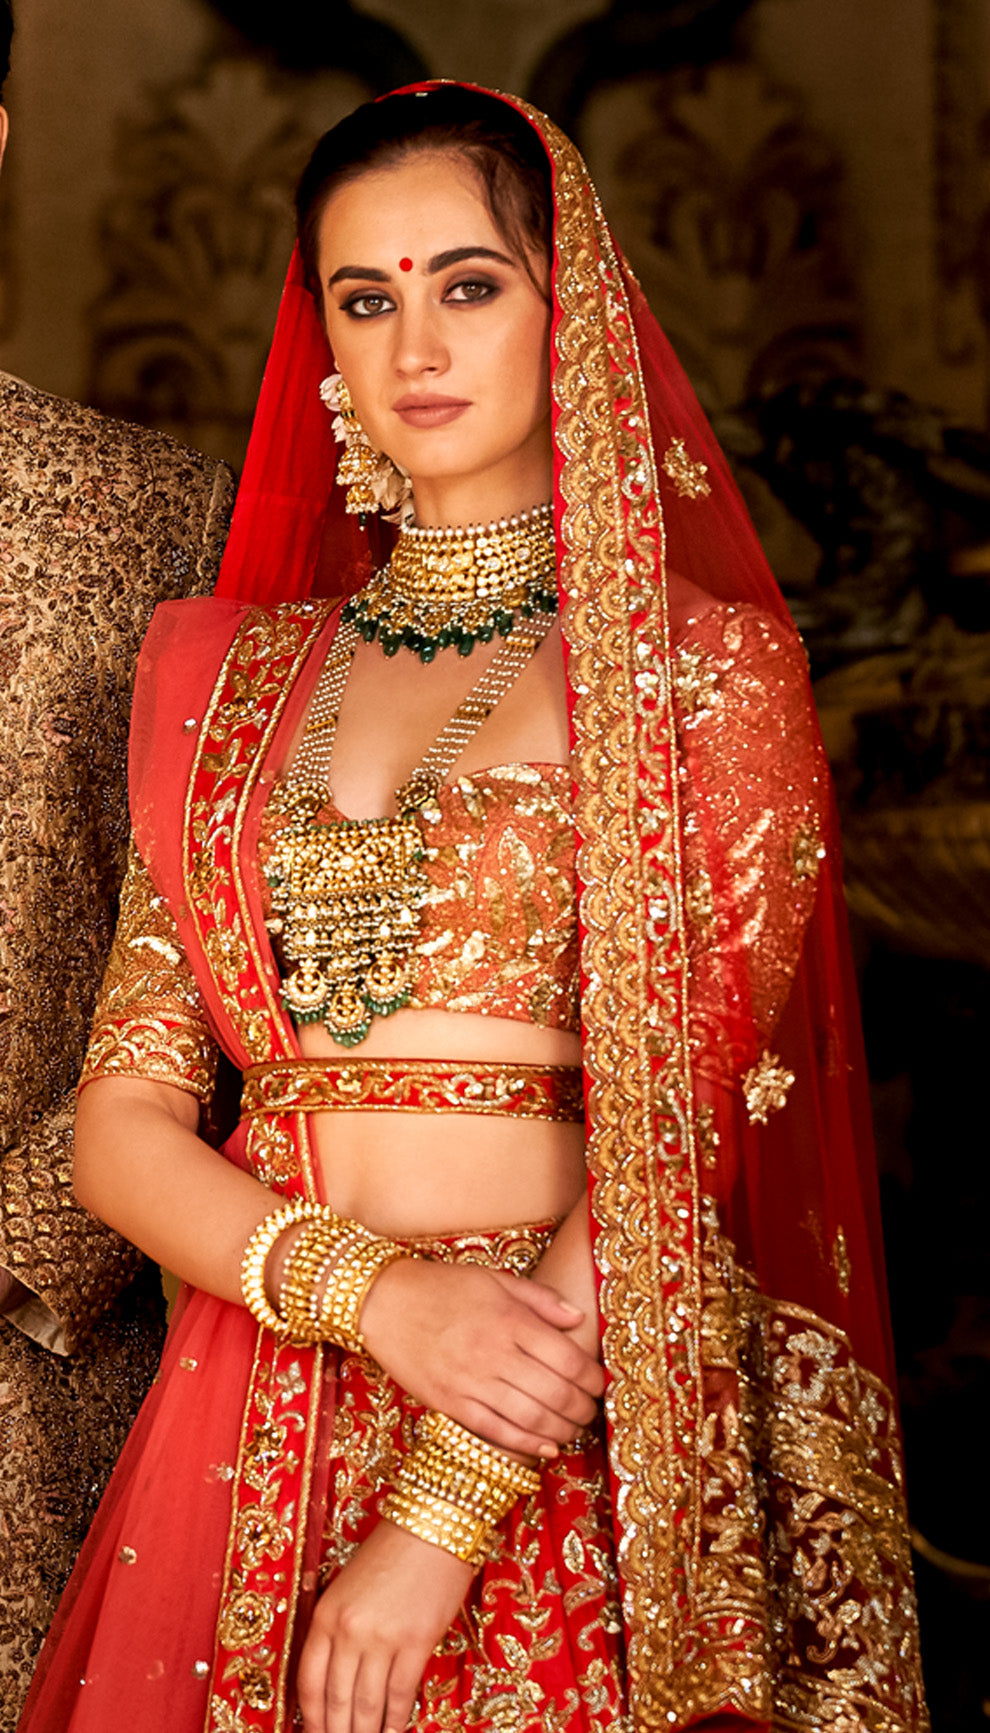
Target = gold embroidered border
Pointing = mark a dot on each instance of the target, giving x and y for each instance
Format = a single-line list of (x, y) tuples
[(414, 1086), (244, 711), (282, 1406), (805, 1614), (265, 1546), (640, 1154)]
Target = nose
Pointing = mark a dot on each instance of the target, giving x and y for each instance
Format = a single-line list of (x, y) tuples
[(419, 343)]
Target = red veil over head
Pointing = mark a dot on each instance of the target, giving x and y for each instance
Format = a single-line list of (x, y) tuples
[(760, 1528)]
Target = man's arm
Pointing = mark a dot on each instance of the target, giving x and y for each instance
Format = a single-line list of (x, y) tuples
[(59, 1267)]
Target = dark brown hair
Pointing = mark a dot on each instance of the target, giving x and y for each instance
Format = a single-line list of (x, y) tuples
[(6, 34), (501, 146)]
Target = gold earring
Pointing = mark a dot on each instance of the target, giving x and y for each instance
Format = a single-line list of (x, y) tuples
[(373, 482)]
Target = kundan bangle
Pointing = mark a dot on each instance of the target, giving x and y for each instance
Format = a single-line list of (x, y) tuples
[(348, 1287), (453, 1488), (328, 1273), (256, 1254), (439, 1522), (308, 1268), (473, 1455)]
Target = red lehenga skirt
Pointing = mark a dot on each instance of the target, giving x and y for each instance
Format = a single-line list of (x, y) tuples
[(184, 1616)]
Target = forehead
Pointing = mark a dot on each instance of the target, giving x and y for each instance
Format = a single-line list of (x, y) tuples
[(430, 202)]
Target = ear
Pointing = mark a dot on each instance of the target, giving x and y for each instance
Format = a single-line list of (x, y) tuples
[(4, 126)]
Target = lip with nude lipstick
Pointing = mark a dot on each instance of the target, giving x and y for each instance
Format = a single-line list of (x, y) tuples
[(422, 411)]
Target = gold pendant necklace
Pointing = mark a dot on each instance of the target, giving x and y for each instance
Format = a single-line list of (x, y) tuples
[(346, 892)]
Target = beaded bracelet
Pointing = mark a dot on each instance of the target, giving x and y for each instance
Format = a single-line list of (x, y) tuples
[(256, 1254)]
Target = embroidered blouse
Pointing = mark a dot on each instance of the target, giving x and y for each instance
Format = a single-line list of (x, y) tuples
[(499, 932), (498, 927)]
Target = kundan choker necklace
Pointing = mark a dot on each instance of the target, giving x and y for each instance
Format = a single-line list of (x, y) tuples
[(458, 587)]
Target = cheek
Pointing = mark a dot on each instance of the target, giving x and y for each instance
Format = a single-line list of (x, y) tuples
[(352, 361), (525, 365)]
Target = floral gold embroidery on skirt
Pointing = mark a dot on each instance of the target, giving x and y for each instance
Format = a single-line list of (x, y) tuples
[(537, 1647)]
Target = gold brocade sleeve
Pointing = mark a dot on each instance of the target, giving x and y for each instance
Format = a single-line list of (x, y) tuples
[(150, 1020), (73, 1265), (753, 825)]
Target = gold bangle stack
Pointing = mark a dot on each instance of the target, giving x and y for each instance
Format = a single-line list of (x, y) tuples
[(453, 1488), (256, 1254), (328, 1274)]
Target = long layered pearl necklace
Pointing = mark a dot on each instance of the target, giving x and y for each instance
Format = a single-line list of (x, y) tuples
[(459, 587)]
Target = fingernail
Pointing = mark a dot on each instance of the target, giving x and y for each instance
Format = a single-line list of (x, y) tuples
[(549, 1452)]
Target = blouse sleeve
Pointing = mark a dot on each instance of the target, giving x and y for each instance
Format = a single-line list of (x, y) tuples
[(150, 1019), (753, 788)]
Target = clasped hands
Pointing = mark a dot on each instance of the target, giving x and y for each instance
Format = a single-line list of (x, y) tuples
[(495, 1352)]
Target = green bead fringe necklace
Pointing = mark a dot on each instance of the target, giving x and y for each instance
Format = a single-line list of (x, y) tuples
[(455, 588)]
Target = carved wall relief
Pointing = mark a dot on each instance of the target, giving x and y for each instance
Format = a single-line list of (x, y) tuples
[(731, 210), (196, 244)]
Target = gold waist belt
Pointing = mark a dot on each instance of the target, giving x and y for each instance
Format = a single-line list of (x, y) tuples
[(414, 1086)]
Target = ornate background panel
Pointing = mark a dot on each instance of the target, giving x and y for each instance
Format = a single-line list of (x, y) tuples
[(732, 208)]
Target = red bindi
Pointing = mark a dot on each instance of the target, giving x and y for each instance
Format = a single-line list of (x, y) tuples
[(405, 264)]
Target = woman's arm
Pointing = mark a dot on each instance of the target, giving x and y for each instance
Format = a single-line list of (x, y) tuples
[(376, 1626), (469, 1341), (140, 1166)]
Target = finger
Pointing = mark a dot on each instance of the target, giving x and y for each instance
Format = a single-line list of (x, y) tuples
[(491, 1425), (523, 1366), (404, 1682), (556, 1419), (311, 1681), (370, 1690), (339, 1692), (545, 1301), (561, 1356)]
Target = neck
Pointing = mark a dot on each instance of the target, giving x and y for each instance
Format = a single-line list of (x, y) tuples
[(439, 503)]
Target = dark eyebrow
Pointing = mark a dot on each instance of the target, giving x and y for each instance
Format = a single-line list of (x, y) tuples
[(364, 272), (456, 256), (439, 262)]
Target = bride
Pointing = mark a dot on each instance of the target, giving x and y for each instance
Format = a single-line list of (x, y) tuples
[(530, 1369)]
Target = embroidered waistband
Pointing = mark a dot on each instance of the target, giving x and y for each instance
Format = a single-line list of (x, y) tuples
[(414, 1086)]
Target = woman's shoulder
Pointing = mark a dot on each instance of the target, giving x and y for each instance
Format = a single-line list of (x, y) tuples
[(741, 631)]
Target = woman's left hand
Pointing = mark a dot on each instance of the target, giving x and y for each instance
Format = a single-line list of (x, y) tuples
[(374, 1630)]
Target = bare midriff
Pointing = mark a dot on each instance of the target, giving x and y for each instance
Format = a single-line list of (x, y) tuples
[(437, 1173)]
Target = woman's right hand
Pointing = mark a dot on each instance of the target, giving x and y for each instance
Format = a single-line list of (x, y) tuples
[(489, 1349)]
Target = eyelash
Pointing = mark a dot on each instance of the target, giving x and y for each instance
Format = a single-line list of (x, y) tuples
[(356, 309)]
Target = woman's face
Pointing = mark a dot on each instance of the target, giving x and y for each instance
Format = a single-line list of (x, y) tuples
[(442, 337)]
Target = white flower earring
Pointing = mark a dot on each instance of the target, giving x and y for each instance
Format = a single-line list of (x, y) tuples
[(372, 480)]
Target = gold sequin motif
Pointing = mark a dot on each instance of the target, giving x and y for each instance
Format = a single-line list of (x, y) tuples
[(687, 476), (766, 1087)]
